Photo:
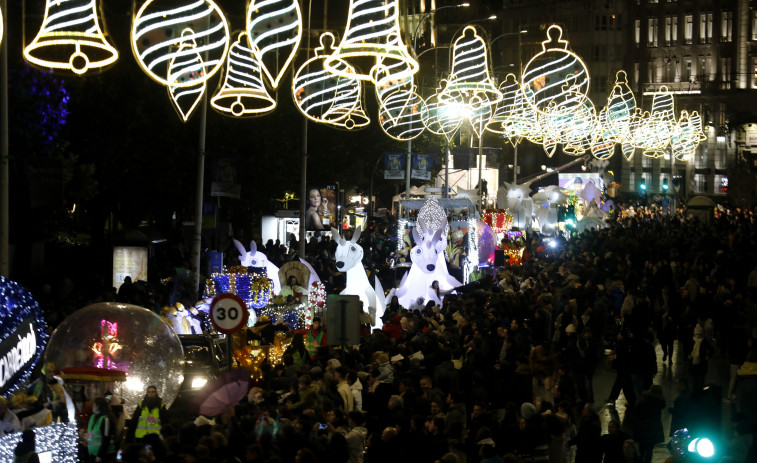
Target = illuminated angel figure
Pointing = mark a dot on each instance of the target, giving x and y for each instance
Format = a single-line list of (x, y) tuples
[(106, 350)]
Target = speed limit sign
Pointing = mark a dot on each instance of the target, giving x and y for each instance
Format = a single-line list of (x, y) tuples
[(228, 313)]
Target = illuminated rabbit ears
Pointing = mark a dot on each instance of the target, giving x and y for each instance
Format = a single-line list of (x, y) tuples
[(340, 239)]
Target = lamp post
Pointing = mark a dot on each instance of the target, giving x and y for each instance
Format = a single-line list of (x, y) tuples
[(520, 76), (370, 197), (409, 158)]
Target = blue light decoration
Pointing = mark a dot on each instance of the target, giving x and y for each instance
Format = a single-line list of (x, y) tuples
[(254, 287), (23, 331)]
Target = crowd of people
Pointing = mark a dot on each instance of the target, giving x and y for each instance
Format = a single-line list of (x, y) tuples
[(503, 371)]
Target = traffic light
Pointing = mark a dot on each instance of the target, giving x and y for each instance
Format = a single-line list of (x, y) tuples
[(665, 184)]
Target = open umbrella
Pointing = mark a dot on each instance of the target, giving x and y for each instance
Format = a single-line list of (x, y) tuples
[(223, 392)]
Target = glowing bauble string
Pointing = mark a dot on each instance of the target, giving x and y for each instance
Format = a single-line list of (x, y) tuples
[(149, 347), (325, 97), (550, 74), (400, 115), (440, 117), (156, 38), (243, 92), (189, 85), (274, 29)]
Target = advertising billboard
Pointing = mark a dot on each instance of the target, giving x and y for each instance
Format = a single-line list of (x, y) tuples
[(321, 208)]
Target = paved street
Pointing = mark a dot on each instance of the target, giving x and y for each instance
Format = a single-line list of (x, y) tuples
[(718, 374)]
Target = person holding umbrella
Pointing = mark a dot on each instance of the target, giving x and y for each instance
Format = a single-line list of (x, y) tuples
[(148, 417)]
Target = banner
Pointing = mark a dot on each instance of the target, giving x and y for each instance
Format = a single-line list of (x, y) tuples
[(321, 208), (394, 166), (464, 158), (422, 166), (225, 181), (493, 155)]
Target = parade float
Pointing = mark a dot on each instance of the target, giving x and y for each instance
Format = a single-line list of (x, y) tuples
[(24, 334)]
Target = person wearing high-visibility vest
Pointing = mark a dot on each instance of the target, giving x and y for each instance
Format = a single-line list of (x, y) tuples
[(101, 444), (315, 338), (148, 417)]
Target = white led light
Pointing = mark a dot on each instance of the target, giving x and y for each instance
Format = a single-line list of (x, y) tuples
[(274, 28)]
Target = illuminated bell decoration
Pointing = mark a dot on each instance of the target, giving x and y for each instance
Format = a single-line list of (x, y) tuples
[(325, 97), (157, 36), (187, 69), (441, 118), (274, 29), (2, 22), (372, 42), (400, 115), (71, 38), (470, 71), (684, 138), (554, 72), (243, 92), (506, 106)]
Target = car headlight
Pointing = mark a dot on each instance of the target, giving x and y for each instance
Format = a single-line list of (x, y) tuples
[(199, 381)]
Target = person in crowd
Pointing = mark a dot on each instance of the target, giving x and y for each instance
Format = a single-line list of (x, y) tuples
[(293, 290), (699, 357), (544, 368), (149, 416), (681, 407), (9, 422), (612, 442), (101, 432), (26, 451), (315, 337), (647, 422)]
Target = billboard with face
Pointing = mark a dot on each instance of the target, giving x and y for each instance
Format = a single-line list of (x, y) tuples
[(320, 213)]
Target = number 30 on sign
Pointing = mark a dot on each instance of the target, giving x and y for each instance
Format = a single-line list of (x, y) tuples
[(228, 313)]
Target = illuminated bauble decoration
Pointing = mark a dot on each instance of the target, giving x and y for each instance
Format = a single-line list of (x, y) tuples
[(24, 333), (487, 243), (392, 79), (441, 118), (274, 28), (187, 70), (627, 149), (2, 24), (621, 105), (554, 73), (157, 35), (684, 138), (480, 113), (524, 121), (602, 145), (372, 42), (325, 97), (663, 107), (70, 38), (470, 75), (150, 352), (243, 92), (400, 115)]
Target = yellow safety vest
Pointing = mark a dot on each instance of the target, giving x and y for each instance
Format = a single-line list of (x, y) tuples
[(149, 422)]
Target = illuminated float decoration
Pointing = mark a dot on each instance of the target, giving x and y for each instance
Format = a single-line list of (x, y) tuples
[(256, 259), (487, 243), (428, 260), (324, 97), (546, 202), (145, 341), (349, 260), (372, 43), (71, 38), (24, 335), (242, 92), (519, 204), (274, 29), (158, 32)]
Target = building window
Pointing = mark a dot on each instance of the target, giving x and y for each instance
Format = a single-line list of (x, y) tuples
[(636, 72), (726, 27), (688, 33), (613, 23), (705, 27), (637, 31), (687, 77), (725, 69), (653, 25), (754, 25), (650, 73), (671, 30), (700, 183)]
